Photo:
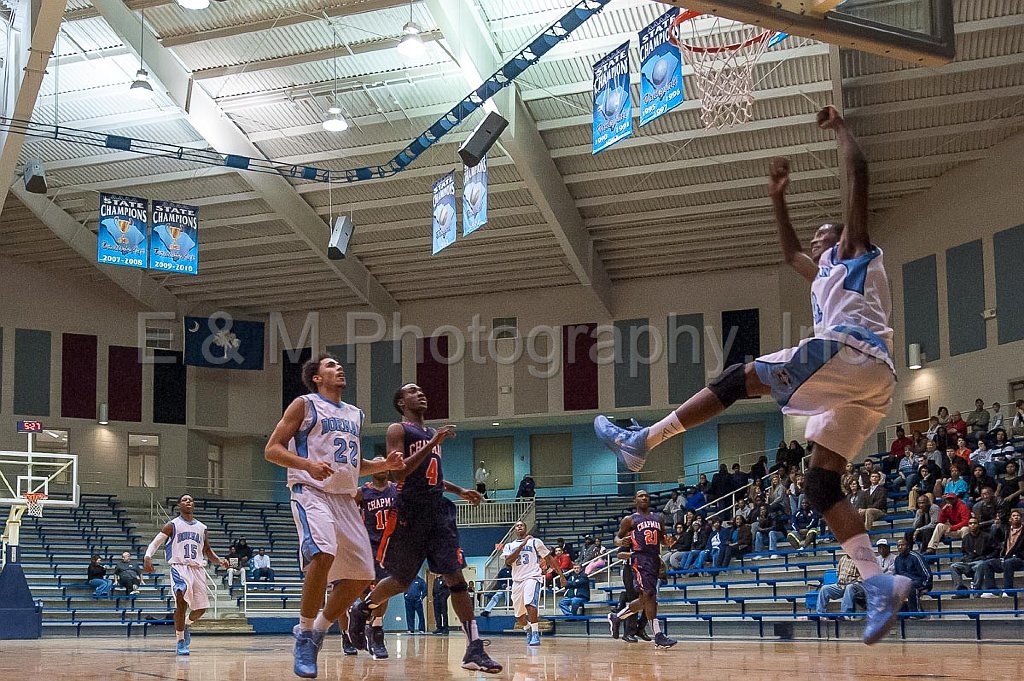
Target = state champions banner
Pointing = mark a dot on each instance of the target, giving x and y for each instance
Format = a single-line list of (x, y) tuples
[(443, 221), (613, 106), (661, 81), (124, 226), (174, 245), (474, 197)]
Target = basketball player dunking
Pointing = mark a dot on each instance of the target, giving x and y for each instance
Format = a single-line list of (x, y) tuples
[(317, 440), (842, 378), (643, 532), (186, 557), (423, 528)]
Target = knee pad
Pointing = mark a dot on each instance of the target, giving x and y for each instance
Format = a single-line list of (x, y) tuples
[(458, 588), (823, 489), (731, 385)]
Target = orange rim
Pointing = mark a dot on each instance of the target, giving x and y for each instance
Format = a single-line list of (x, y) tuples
[(689, 15)]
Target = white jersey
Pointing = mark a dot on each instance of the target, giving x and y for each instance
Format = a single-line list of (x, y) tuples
[(185, 547), (329, 433), (527, 566), (851, 302)]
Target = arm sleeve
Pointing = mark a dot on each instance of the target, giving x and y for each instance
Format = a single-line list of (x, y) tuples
[(154, 545)]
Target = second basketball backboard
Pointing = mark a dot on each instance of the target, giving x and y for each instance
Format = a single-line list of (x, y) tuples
[(917, 31)]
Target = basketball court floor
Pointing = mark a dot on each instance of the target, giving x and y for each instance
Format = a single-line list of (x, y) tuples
[(246, 658)]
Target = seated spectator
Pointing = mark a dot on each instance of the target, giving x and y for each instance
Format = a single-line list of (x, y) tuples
[(129, 574), (986, 510), (953, 517), (957, 426), (527, 488), (499, 590), (796, 492), (744, 509), (942, 416), (695, 500), (716, 550), (261, 567), (926, 518), (924, 485), (674, 508), (977, 547), (906, 466), (702, 485), (933, 428), (896, 450), (912, 565), (1002, 451), (577, 591), (804, 527), (720, 484), (857, 497), (564, 563), (781, 456), (955, 484), (875, 501), (982, 456), (979, 481), (741, 539), (796, 455), (943, 441), (1010, 487), (920, 440), (977, 421), (1017, 425), (696, 536), (864, 474), (848, 586), (589, 550), (679, 549), (849, 475), (235, 567), (599, 562), (770, 526), (997, 419), (778, 495), (739, 479), (961, 456), (759, 469), (244, 551), (886, 559), (97, 574), (1011, 558)]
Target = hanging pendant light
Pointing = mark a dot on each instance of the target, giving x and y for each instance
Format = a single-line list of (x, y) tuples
[(335, 121), (141, 88), (410, 45)]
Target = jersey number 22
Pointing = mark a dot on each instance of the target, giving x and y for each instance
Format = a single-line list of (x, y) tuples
[(347, 452)]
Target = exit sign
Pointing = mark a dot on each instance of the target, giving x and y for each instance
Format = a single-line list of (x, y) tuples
[(30, 426)]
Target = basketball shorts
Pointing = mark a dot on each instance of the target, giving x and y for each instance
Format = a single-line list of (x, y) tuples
[(645, 572), (844, 392), (190, 580), (332, 524), (526, 592), (378, 569), (421, 532)]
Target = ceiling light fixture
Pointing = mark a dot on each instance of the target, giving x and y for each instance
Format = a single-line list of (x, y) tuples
[(141, 87), (410, 45), (335, 121), (194, 4)]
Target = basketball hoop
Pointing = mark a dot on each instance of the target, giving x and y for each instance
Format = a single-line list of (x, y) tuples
[(34, 502), (722, 70)]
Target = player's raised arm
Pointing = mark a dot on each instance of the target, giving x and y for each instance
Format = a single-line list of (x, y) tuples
[(792, 250), (395, 439), (513, 556), (855, 240), (393, 462), (470, 495), (165, 533), (277, 451)]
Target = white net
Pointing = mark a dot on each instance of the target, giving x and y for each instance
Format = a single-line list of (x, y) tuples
[(722, 54), (34, 505)]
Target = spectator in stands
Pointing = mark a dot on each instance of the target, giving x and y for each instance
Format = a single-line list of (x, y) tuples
[(886, 559), (906, 466), (982, 456), (720, 484), (962, 454), (235, 566), (744, 509), (261, 570), (759, 469), (1011, 558), (942, 416), (980, 479), (1002, 450), (943, 441), (986, 510), (770, 526), (920, 440), (926, 518), (527, 488), (740, 479), (702, 486), (849, 475), (876, 501), (564, 564), (244, 552), (778, 495), (480, 478), (441, 595), (1017, 425), (599, 562), (977, 421), (997, 419), (414, 606), (804, 527), (933, 427), (955, 484), (682, 543), (741, 539), (796, 455), (98, 579), (953, 517), (957, 426), (674, 508), (924, 484), (500, 586), (976, 548), (577, 591), (129, 574), (912, 565), (864, 474), (1011, 487), (696, 499), (781, 456), (716, 550), (695, 537), (896, 450), (589, 550), (848, 586), (795, 491), (858, 497)]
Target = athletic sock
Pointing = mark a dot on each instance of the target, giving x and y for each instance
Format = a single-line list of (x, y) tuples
[(305, 623), (663, 430), (535, 627), (859, 549), (624, 613), (471, 631), (180, 634), (321, 623), (656, 625)]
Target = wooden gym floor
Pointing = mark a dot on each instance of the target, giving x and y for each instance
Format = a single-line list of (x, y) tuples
[(425, 658)]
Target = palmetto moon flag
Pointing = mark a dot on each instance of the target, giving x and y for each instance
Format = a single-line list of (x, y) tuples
[(220, 342), (661, 76), (613, 105), (474, 197), (443, 222)]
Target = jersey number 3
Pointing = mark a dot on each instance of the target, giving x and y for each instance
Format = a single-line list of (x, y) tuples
[(347, 452)]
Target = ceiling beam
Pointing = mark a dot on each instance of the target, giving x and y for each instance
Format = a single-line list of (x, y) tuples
[(32, 36), (204, 115), (473, 47), (127, 183), (111, 157)]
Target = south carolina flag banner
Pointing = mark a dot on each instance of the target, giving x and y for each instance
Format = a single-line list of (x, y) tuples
[(613, 106), (124, 225), (443, 221), (474, 197), (174, 246), (661, 82), (220, 342)]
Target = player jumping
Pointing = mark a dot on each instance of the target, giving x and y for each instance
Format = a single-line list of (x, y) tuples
[(186, 557), (422, 528), (643, 532), (525, 554), (842, 378)]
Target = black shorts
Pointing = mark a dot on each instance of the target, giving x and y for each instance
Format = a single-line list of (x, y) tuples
[(645, 572), (421, 532)]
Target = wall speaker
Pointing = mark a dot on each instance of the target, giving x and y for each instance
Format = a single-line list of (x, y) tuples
[(483, 138), (337, 247), (35, 176)]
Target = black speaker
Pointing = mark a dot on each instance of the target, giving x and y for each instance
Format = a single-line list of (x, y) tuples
[(35, 176), (337, 247), (483, 138)]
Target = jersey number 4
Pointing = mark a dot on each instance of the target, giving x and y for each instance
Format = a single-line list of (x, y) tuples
[(347, 452), (432, 471)]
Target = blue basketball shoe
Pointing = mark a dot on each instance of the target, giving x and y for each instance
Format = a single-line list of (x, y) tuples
[(885, 595), (307, 647), (533, 638), (182, 649), (629, 445)]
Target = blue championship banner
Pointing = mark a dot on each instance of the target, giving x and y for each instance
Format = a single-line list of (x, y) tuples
[(661, 82), (613, 107), (174, 244), (220, 342), (124, 224), (474, 197), (443, 221)]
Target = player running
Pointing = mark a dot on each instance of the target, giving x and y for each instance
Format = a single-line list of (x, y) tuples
[(842, 378), (525, 555)]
